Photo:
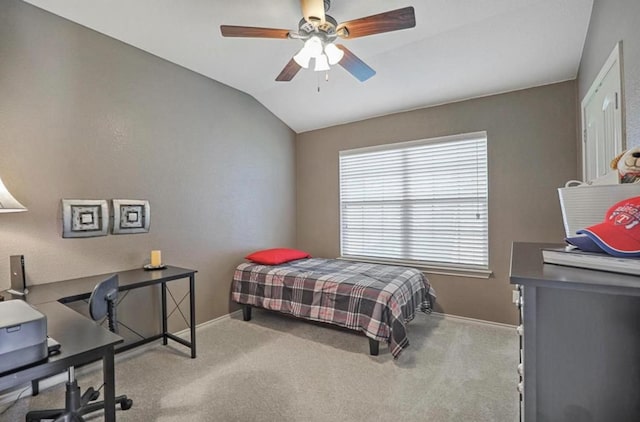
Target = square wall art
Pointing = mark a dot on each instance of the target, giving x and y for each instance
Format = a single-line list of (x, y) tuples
[(131, 216), (84, 217)]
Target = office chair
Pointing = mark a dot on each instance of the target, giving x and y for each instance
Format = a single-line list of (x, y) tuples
[(102, 302)]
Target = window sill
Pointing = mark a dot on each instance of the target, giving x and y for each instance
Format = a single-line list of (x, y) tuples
[(429, 269)]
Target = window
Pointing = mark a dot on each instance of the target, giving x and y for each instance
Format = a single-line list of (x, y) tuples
[(421, 202)]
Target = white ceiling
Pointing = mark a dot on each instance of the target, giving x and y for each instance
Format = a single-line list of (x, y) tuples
[(459, 49)]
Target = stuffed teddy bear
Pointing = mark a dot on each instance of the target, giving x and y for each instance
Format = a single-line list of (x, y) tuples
[(628, 165)]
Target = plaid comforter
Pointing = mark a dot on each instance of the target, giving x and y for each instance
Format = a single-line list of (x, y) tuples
[(376, 299)]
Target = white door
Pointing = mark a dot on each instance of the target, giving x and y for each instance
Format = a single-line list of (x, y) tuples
[(602, 129)]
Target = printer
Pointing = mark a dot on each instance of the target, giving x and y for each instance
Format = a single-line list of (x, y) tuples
[(23, 335)]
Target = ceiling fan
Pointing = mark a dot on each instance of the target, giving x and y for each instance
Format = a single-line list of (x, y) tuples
[(320, 31)]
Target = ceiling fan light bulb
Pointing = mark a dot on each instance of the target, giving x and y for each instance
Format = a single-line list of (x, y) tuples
[(334, 54), (322, 63)]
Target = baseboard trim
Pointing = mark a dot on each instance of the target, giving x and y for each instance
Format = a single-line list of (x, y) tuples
[(187, 332), (473, 320), (437, 314)]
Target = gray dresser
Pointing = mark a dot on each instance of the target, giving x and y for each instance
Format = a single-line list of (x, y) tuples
[(580, 340)]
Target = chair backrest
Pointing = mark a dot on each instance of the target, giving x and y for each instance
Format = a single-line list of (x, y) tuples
[(103, 301)]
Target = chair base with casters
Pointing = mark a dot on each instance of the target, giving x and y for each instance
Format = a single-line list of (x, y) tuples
[(102, 302), (76, 405)]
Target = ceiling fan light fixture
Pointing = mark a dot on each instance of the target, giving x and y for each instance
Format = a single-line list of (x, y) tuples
[(334, 54), (322, 63)]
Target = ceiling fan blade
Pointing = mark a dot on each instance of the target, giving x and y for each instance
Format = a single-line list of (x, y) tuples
[(313, 10), (252, 31), (289, 71), (354, 65), (376, 24)]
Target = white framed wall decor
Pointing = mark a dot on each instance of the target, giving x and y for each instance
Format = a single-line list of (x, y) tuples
[(131, 216), (84, 217)]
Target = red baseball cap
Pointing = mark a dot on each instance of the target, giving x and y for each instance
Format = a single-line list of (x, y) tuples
[(617, 235)]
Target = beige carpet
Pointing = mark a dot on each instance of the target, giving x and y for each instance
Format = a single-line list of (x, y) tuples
[(280, 369)]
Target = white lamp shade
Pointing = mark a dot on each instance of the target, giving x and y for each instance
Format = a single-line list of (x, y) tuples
[(321, 63), (302, 58), (313, 46), (7, 202), (334, 54)]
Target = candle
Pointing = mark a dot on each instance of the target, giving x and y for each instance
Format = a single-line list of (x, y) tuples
[(156, 258)]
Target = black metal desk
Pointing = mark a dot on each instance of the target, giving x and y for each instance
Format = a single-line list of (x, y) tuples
[(82, 342), (72, 290), (67, 291)]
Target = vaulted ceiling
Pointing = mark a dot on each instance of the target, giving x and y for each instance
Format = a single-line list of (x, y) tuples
[(458, 50)]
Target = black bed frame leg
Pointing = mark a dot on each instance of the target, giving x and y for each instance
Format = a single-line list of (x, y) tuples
[(246, 312), (373, 347)]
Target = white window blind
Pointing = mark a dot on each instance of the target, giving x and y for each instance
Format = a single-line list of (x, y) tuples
[(423, 202)]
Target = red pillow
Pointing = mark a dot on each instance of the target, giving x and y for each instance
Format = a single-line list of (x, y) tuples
[(276, 256)]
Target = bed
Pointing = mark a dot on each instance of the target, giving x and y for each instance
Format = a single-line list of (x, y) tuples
[(378, 300)]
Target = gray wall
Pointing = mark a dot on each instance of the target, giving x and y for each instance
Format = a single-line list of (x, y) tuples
[(612, 21), (531, 152), (85, 116)]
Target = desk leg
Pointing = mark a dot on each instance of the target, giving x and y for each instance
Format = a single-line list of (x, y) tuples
[(164, 313), (108, 373), (35, 387), (192, 314)]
